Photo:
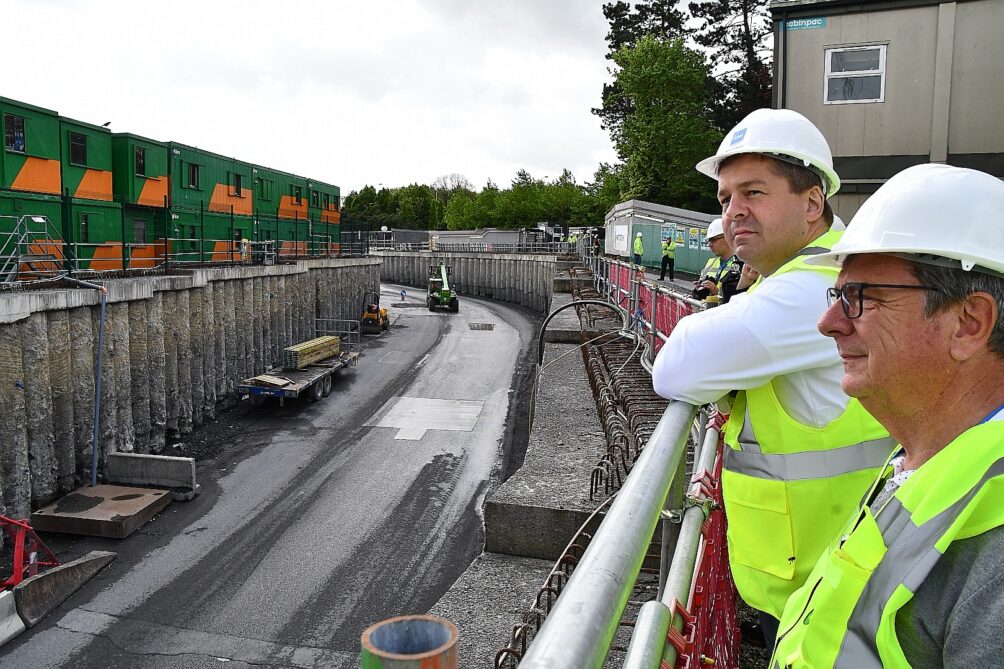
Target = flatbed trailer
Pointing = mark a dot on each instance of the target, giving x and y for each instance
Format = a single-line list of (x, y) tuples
[(312, 382)]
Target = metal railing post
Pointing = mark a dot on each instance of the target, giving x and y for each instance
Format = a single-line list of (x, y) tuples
[(648, 645)]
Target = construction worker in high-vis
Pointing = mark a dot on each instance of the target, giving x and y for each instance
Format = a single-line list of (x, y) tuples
[(668, 259), (799, 453), (639, 249), (914, 577)]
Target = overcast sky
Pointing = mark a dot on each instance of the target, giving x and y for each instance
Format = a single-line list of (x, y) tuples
[(350, 93)]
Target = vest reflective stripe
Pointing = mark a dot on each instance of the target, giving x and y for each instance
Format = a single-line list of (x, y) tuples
[(845, 615), (809, 464), (911, 556)]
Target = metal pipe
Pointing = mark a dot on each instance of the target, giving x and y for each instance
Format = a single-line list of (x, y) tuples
[(653, 623), (580, 629), (681, 575), (97, 374)]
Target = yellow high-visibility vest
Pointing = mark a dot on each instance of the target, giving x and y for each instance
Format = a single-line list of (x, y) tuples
[(791, 487), (845, 614)]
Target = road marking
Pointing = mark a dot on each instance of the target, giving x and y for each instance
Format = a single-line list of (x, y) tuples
[(413, 416)]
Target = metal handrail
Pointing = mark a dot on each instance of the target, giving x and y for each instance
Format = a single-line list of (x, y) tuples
[(580, 629), (648, 645)]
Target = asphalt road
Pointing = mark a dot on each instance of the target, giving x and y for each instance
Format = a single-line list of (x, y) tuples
[(315, 520)]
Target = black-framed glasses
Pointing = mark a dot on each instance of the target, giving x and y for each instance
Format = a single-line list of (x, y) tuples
[(852, 295)]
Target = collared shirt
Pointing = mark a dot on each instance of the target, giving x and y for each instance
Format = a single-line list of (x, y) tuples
[(766, 334)]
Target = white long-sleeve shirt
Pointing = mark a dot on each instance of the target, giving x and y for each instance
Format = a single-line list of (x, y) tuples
[(758, 336)]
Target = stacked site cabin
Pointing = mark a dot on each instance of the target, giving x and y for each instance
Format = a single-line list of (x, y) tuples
[(893, 84), (119, 201)]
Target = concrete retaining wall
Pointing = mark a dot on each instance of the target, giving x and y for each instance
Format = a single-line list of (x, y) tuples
[(523, 279), (175, 349)]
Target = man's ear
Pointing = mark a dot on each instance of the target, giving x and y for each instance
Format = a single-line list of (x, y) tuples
[(814, 204), (977, 316)]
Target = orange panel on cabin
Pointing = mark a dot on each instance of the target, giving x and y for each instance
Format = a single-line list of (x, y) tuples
[(331, 216), (146, 256), (107, 257), (222, 200), (38, 175), (153, 193), (96, 185), (289, 210)]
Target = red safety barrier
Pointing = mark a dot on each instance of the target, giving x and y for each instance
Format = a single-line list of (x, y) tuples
[(669, 309), (30, 553), (711, 628)]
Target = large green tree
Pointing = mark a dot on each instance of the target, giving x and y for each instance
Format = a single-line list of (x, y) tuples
[(669, 129), (628, 24), (738, 37)]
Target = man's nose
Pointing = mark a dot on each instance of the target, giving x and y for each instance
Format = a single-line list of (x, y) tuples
[(834, 322)]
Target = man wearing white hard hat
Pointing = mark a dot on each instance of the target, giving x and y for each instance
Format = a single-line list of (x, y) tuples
[(915, 577), (639, 248), (799, 453), (708, 284)]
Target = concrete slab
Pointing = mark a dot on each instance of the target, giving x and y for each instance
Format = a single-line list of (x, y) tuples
[(487, 601), (414, 416), (536, 512), (37, 596), (161, 471), (564, 328), (10, 622), (101, 511)]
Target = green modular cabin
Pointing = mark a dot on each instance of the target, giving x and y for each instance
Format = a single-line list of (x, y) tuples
[(116, 201), (212, 205), (140, 183), (30, 177)]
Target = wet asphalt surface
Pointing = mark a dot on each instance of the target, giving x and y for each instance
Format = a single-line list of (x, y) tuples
[(311, 525)]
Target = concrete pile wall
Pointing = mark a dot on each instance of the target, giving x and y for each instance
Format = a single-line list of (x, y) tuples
[(522, 279), (175, 348)]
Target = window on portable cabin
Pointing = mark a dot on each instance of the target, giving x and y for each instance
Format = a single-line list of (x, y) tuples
[(297, 195), (193, 175), (84, 225), (139, 231), (140, 161), (265, 189), (327, 200), (315, 199), (236, 182), (13, 133), (855, 75), (78, 148)]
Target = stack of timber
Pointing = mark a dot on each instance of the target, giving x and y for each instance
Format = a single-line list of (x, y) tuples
[(300, 355)]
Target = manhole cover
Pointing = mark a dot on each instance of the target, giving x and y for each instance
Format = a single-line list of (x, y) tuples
[(481, 326)]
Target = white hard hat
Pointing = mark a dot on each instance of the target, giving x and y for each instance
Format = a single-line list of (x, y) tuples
[(934, 212), (638, 235), (781, 134), (715, 228)]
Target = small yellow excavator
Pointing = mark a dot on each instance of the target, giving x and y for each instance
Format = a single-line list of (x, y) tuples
[(374, 319)]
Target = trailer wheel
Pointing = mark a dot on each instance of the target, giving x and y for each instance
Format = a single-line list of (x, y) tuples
[(258, 401), (315, 391), (432, 304), (454, 305), (328, 382)]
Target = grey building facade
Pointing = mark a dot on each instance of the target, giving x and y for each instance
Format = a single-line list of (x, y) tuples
[(894, 83)]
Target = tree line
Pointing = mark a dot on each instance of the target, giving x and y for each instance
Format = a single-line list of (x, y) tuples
[(684, 72)]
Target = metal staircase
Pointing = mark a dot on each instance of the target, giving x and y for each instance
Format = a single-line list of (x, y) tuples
[(31, 251)]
